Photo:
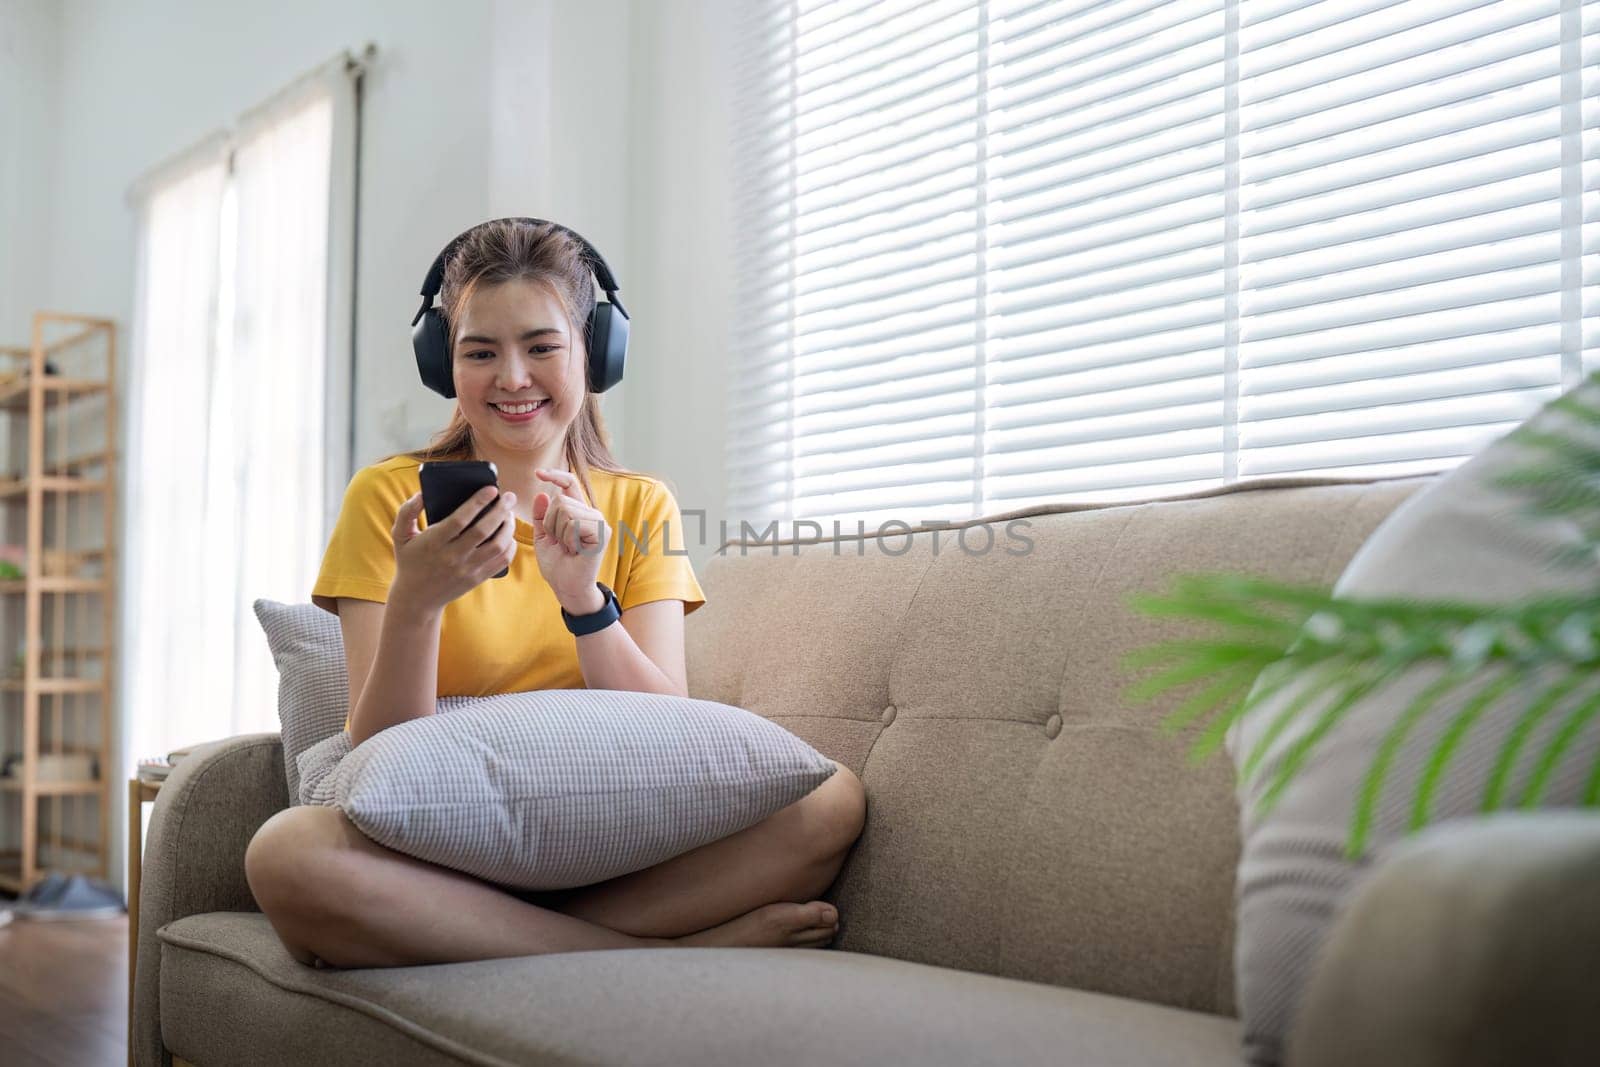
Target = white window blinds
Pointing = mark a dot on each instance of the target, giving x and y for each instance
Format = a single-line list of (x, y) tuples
[(1003, 253)]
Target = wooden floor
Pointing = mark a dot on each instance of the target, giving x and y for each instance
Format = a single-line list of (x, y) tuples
[(64, 993)]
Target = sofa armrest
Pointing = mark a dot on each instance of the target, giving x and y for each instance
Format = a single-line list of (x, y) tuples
[(207, 811), (1472, 944)]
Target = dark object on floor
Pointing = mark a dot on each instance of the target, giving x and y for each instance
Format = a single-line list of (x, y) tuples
[(76, 896)]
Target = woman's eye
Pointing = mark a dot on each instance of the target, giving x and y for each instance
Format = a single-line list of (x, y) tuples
[(542, 349), (475, 355)]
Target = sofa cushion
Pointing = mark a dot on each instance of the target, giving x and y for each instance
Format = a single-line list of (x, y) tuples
[(559, 788), (231, 994), (1023, 818), (1463, 540), (313, 681)]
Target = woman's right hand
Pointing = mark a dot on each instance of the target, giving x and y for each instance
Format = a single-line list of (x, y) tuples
[(455, 555)]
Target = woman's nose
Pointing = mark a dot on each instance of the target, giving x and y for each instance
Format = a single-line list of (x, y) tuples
[(513, 376)]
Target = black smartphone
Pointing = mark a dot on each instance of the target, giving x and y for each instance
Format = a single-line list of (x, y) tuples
[(449, 484)]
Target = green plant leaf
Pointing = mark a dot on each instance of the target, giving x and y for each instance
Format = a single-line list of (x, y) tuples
[(1591, 789), (1315, 680), (1210, 697), (1216, 606), (1474, 708), (1203, 662), (1372, 784), (1264, 689), (1545, 768), (1205, 648), (1574, 454), (1500, 773), (1330, 717)]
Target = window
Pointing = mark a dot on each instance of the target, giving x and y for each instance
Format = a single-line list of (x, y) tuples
[(240, 380), (1008, 252)]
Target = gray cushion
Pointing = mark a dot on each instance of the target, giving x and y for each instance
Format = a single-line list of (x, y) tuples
[(1460, 539), (567, 787), (313, 681)]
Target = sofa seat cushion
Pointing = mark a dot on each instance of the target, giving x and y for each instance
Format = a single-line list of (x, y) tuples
[(230, 993)]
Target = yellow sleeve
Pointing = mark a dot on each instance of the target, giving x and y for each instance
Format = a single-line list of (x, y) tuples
[(359, 561), (653, 572)]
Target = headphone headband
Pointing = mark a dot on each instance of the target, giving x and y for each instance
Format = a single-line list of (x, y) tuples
[(434, 280)]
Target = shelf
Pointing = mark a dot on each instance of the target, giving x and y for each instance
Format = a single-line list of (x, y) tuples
[(10, 487), (70, 787), (69, 468), (54, 685), (69, 459), (58, 585), (56, 389), (88, 459), (73, 652)]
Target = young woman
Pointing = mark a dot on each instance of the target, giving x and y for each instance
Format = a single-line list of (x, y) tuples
[(423, 617)]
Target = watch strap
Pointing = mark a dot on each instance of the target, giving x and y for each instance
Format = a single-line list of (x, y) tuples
[(610, 612)]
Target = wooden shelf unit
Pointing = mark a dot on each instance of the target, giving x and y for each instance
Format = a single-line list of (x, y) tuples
[(47, 674)]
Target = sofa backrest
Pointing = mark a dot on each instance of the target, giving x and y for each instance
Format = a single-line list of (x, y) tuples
[(1024, 818)]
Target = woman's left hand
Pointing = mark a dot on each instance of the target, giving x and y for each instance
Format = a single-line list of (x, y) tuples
[(569, 537)]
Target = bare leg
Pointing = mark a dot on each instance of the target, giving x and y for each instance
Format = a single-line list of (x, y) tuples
[(335, 896), (793, 855)]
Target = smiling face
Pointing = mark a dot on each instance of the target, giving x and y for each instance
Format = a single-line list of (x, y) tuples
[(513, 346)]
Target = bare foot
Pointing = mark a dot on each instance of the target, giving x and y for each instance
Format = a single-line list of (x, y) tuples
[(781, 925)]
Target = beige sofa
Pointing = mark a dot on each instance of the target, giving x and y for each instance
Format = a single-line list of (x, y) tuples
[(1043, 877)]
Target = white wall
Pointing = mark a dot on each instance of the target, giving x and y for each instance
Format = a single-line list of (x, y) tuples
[(559, 138), (29, 48), (680, 242)]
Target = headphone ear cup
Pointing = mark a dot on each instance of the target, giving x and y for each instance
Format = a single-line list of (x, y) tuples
[(608, 346), (430, 341)]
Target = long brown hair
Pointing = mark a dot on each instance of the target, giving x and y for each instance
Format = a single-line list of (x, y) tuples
[(505, 250)]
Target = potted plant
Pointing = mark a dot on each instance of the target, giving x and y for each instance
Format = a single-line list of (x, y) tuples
[(1265, 635)]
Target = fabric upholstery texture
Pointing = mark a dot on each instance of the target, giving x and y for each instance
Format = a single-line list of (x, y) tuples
[(670, 1006), (1023, 819), (1465, 540), (209, 807), (1473, 920), (313, 682), (570, 787)]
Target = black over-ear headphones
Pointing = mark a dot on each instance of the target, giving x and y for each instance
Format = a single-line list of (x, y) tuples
[(606, 333)]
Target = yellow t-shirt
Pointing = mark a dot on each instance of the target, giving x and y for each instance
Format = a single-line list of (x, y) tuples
[(506, 634)]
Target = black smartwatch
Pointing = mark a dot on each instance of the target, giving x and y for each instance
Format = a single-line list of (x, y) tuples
[(609, 612)]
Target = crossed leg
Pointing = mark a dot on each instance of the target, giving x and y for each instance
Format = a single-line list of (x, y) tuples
[(792, 855), (336, 897)]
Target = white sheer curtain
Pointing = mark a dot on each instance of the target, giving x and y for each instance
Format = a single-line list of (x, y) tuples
[(234, 475), (168, 609), (271, 413)]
